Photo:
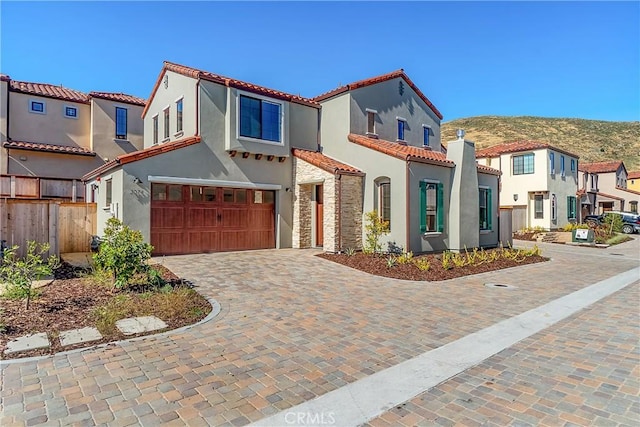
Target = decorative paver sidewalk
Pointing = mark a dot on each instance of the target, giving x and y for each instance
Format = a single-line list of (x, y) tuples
[(294, 327), (129, 326)]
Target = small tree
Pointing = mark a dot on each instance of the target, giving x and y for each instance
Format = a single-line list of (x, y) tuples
[(122, 252), (374, 229), (613, 222), (20, 273)]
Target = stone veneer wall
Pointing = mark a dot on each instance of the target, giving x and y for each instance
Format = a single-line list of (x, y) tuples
[(351, 212)]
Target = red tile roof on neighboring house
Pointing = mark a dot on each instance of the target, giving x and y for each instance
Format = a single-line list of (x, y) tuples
[(518, 146), (600, 167), (325, 162), (379, 79), (581, 192), (226, 81), (609, 196), (50, 148), (633, 175), (142, 154), (628, 190), (488, 170), (4, 78), (49, 91), (119, 97), (401, 151)]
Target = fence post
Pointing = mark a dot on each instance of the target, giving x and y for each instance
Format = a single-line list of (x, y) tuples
[(73, 191), (13, 187), (54, 210)]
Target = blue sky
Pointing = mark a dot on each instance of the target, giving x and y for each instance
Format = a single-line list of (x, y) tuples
[(552, 59)]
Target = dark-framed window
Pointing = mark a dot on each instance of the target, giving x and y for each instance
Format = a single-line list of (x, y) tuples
[(573, 165), (166, 123), (554, 207), (401, 126), (431, 207), (37, 107), (371, 122), (71, 112), (108, 192), (571, 207), (552, 163), (155, 129), (562, 173), (523, 164), (179, 115), (485, 208), (121, 123), (427, 133), (538, 206), (260, 119)]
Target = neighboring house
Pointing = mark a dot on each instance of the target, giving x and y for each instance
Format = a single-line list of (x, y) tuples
[(230, 165), (539, 182), (50, 131), (633, 180), (603, 187)]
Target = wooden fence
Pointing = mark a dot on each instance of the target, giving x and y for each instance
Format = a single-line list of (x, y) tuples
[(31, 187), (67, 227)]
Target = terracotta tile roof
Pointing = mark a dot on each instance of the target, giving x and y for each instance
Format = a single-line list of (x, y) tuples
[(488, 170), (581, 192), (325, 162), (4, 78), (226, 81), (628, 190), (49, 91), (119, 97), (518, 146), (402, 152), (609, 196), (600, 167), (50, 148), (633, 175), (379, 79), (142, 154)]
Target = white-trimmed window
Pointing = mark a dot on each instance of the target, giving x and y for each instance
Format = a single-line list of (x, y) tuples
[(538, 206), (383, 197), (554, 208), (562, 173), (552, 163), (37, 106), (426, 130), (166, 123), (371, 121), (523, 164), (155, 129), (179, 115), (260, 119), (109, 192), (121, 123), (402, 124), (70, 112), (573, 165)]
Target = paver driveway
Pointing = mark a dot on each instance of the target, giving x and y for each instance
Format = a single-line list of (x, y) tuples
[(292, 327)]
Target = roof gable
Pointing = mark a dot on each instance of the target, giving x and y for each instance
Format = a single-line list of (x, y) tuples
[(518, 146), (402, 152), (325, 162), (195, 73), (379, 79), (601, 167), (48, 91)]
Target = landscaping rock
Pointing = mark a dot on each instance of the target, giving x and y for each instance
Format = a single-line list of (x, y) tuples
[(28, 342), (75, 336), (137, 325)]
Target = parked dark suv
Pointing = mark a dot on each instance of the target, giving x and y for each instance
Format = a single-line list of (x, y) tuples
[(630, 220)]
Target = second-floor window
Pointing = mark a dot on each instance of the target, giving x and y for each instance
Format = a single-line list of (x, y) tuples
[(166, 123), (523, 164), (179, 115), (155, 129), (260, 119), (594, 181), (427, 133), (561, 165), (71, 112), (121, 123), (401, 127), (38, 107), (371, 122), (552, 163), (573, 165)]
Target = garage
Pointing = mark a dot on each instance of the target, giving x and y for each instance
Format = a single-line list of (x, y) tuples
[(188, 219)]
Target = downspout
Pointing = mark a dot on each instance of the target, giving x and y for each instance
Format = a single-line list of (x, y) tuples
[(197, 106), (407, 206), (498, 200), (338, 177), (318, 134), (8, 123)]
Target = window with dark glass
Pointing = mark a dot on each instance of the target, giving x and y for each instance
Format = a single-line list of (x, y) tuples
[(71, 112), (401, 125), (166, 123), (431, 207), (36, 106), (485, 208), (538, 202), (384, 202), (259, 119), (121, 123), (371, 122), (427, 132), (523, 164), (179, 115), (155, 129)]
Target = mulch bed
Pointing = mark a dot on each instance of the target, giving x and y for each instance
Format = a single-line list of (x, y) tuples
[(68, 303), (377, 265)]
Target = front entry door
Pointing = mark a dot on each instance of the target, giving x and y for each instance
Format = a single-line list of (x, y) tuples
[(319, 214)]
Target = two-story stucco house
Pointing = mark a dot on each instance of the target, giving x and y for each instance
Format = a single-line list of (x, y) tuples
[(603, 187), (633, 180), (56, 132), (229, 165), (539, 182)]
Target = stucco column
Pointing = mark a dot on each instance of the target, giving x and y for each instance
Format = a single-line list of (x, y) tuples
[(464, 211)]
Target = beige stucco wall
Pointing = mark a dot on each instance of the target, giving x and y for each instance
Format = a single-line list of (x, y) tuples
[(50, 165), (52, 127), (178, 86), (103, 128), (105, 211), (387, 99)]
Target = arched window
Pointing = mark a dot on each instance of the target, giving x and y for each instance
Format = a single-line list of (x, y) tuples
[(382, 199)]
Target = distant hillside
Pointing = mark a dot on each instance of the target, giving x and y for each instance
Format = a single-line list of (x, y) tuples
[(592, 140)]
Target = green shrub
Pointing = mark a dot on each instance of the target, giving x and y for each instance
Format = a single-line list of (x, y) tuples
[(613, 223), (374, 229), (20, 273), (391, 261), (350, 252), (123, 253)]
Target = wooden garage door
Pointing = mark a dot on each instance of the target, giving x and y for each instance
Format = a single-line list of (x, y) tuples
[(193, 219)]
